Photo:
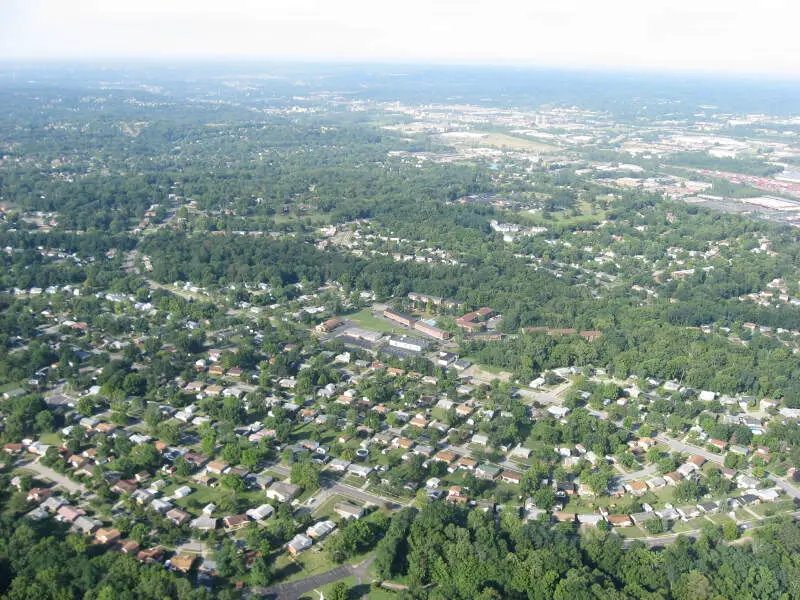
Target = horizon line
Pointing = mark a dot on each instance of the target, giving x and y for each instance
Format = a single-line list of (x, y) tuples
[(173, 62)]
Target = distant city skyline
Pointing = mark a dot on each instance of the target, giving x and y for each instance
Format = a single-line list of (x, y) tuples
[(721, 36)]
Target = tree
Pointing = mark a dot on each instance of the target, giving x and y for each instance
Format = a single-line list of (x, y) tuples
[(45, 421), (544, 498), (340, 591), (261, 572), (654, 526), (228, 561), (233, 481), (692, 586), (687, 490), (305, 474), (730, 531)]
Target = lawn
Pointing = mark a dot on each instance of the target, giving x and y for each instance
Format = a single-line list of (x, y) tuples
[(719, 519), (311, 562), (353, 481), (325, 509), (630, 532), (589, 505), (202, 495), (326, 591), (51, 439), (684, 526), (7, 387)]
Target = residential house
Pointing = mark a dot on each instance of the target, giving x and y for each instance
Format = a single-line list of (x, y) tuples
[(298, 543), (260, 513), (177, 516), (487, 472), (182, 562), (619, 520), (204, 523), (320, 530), (107, 535), (282, 492), (235, 522), (347, 510), (637, 488)]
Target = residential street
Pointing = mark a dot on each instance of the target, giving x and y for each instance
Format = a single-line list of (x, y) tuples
[(49, 474)]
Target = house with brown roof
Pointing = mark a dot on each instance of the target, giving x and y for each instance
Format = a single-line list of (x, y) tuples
[(13, 448), (419, 422), (510, 477), (697, 460), (150, 555), (235, 522), (217, 467), (564, 517), (129, 547), (637, 488), (107, 535), (328, 326), (182, 562), (125, 486), (467, 463), (673, 478), (462, 410), (404, 443), (178, 516), (445, 456), (719, 444), (619, 520)]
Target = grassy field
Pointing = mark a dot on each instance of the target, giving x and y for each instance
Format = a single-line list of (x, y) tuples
[(587, 215), (366, 320), (503, 141)]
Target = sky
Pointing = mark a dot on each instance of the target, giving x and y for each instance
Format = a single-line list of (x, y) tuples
[(722, 36)]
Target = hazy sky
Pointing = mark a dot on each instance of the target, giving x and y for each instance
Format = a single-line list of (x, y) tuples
[(733, 36)]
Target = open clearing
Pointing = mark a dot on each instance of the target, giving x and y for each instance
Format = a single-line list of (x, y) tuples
[(502, 141)]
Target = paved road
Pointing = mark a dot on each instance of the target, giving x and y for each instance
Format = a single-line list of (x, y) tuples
[(660, 541), (295, 589), (351, 492), (331, 488), (50, 474), (648, 471), (678, 446), (787, 487)]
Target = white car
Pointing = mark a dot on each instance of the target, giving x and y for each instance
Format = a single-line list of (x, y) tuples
[(310, 501)]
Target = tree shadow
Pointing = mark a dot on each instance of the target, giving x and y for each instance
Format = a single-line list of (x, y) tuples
[(287, 571)]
